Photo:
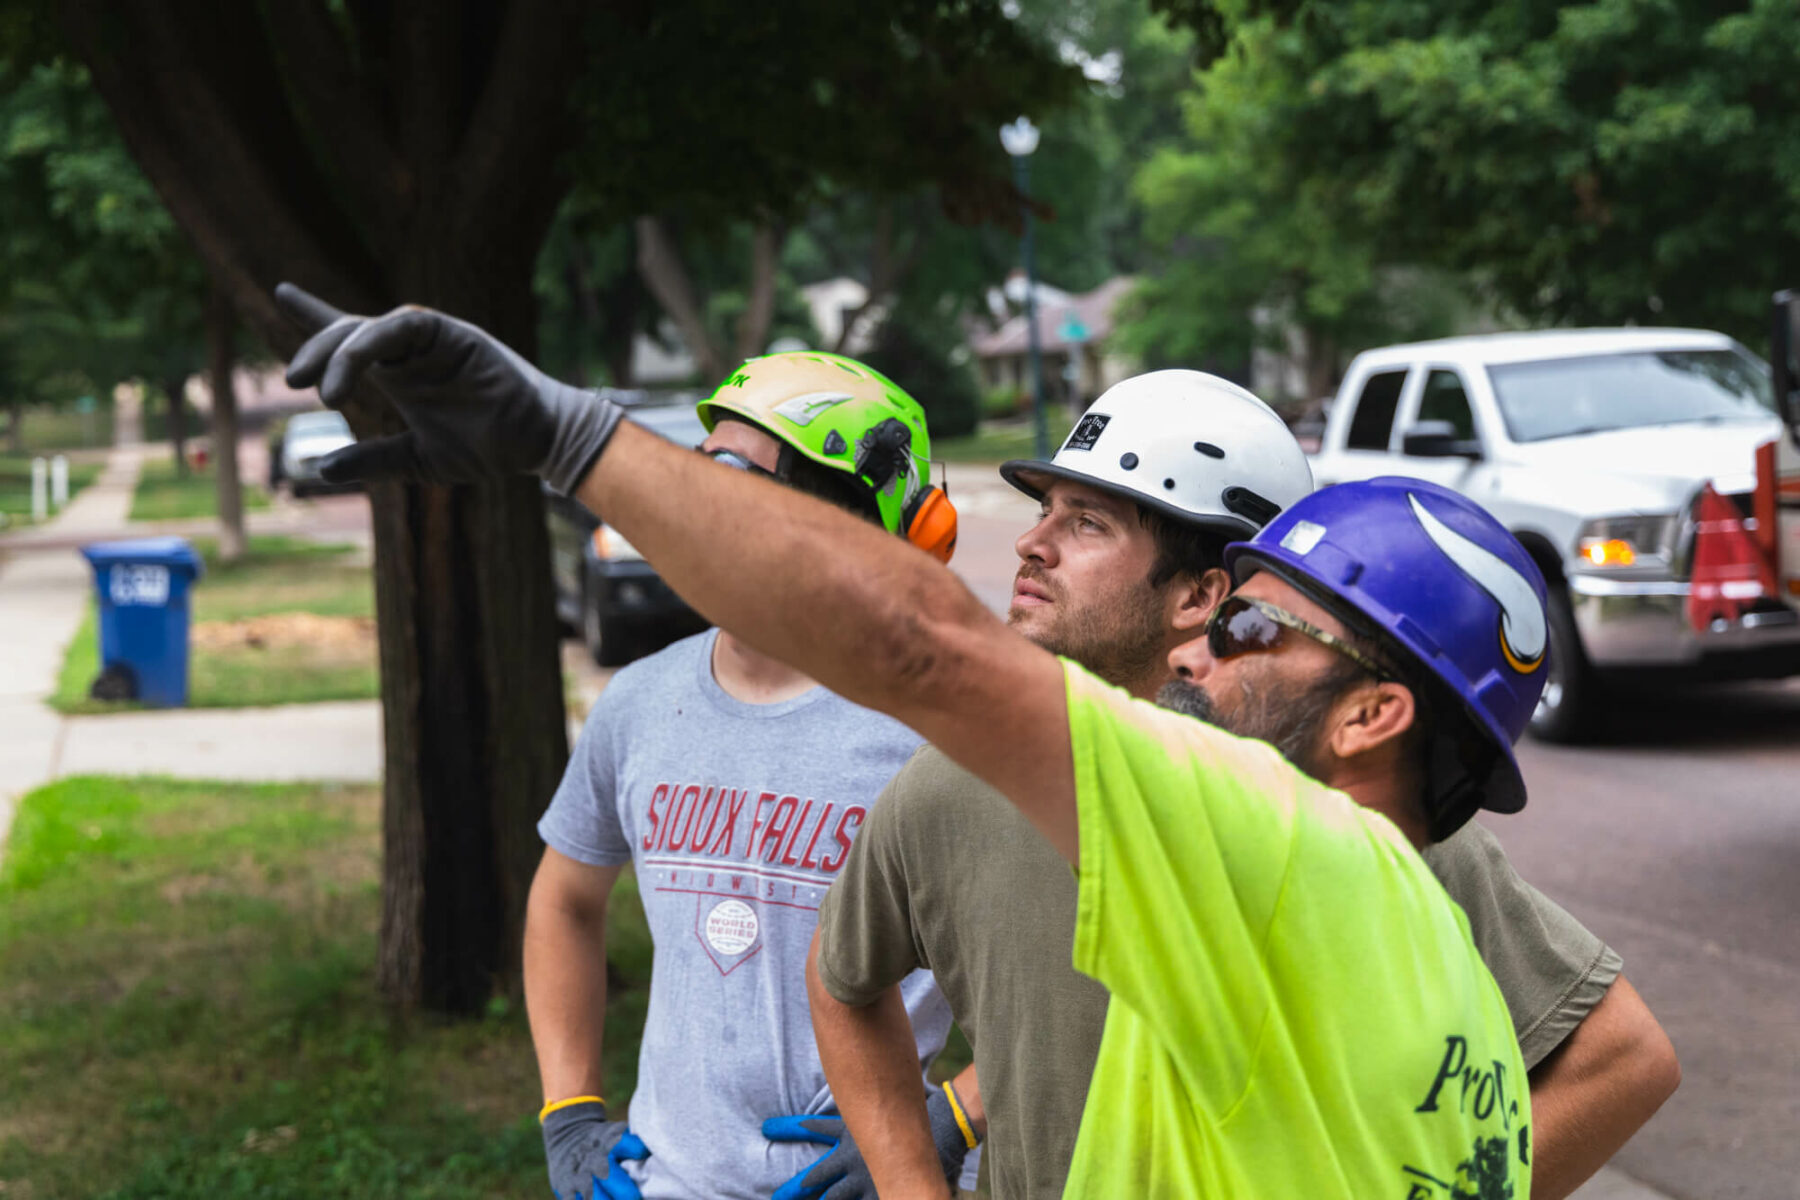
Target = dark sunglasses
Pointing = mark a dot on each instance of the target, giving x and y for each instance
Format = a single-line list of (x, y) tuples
[(1241, 625), (732, 458)]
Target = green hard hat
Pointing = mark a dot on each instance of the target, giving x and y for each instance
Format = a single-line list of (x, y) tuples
[(838, 413)]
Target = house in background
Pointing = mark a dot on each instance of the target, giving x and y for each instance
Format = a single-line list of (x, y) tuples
[(1074, 336)]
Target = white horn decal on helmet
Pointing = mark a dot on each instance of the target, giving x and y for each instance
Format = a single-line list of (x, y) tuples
[(1522, 631)]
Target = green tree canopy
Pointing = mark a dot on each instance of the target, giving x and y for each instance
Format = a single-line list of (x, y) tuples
[(1614, 161), (97, 284)]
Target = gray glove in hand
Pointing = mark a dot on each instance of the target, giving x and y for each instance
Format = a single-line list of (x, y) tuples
[(584, 1150), (841, 1174), (474, 410)]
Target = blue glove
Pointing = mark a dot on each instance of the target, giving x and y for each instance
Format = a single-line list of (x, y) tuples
[(583, 1150), (841, 1173)]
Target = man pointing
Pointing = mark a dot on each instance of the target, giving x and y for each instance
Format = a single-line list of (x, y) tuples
[(1226, 900)]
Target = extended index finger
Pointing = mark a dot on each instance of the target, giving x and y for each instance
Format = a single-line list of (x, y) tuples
[(305, 309)]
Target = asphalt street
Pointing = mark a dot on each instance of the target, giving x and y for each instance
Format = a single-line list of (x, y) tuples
[(1679, 842)]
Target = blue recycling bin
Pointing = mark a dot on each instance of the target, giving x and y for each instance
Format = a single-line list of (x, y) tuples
[(142, 588)]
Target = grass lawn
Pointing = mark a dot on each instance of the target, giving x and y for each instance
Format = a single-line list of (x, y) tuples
[(163, 495), (15, 485), (290, 623), (993, 443), (187, 1008)]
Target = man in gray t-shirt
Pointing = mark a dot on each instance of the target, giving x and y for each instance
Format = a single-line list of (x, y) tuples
[(948, 876), (735, 787), (736, 817)]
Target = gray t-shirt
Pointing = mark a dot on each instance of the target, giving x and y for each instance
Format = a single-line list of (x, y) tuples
[(737, 817), (949, 877)]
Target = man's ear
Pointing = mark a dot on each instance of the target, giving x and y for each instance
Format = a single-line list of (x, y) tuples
[(1193, 600), (1371, 716)]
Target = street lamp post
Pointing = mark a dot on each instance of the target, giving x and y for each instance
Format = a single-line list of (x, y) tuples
[(1020, 138)]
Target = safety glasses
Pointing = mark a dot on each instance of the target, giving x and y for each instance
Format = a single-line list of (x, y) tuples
[(732, 458), (1241, 625)]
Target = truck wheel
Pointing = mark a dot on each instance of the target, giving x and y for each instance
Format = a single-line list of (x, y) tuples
[(1569, 710)]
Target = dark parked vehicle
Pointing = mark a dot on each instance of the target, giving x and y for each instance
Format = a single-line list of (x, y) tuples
[(605, 591)]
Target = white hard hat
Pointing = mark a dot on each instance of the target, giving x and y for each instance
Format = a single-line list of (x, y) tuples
[(1191, 445)]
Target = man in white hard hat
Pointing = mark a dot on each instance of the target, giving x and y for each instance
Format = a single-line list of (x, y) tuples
[(1122, 567)]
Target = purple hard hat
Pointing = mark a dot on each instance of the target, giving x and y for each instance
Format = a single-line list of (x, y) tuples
[(1450, 595)]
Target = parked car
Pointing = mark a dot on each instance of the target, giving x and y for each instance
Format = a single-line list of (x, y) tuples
[(1612, 454), (605, 592), (304, 440)]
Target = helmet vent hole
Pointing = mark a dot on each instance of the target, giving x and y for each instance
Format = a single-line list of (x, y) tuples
[(1128, 461), (1208, 449), (1169, 484)]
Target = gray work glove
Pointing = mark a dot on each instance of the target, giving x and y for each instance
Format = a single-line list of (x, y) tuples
[(841, 1174), (474, 410), (583, 1150)]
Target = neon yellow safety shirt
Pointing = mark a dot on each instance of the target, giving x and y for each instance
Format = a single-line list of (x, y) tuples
[(1297, 1008)]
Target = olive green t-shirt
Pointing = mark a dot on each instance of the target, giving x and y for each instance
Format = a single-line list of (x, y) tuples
[(947, 875)]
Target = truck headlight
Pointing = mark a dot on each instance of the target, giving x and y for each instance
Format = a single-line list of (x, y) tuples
[(608, 544), (1608, 543)]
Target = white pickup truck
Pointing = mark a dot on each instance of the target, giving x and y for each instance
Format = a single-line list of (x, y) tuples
[(1624, 460)]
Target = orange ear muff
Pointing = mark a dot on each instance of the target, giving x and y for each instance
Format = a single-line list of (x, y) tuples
[(931, 525)]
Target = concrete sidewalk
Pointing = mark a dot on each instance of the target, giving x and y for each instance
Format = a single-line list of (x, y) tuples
[(43, 597), (45, 587), (338, 740)]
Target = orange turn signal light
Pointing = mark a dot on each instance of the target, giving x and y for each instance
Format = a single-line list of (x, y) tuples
[(1608, 552)]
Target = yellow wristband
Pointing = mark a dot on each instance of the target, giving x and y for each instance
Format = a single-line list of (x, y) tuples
[(553, 1105), (962, 1118)]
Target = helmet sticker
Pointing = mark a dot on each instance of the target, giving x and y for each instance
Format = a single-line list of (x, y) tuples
[(1087, 431), (1523, 634), (1303, 537), (804, 410)]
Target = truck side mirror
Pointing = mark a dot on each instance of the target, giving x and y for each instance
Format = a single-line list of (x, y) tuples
[(1437, 439)]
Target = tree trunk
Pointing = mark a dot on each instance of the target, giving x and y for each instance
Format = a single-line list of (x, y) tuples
[(1321, 365), (472, 704), (418, 165), (753, 323), (615, 314), (15, 427), (221, 356), (175, 388), (887, 271), (659, 262)]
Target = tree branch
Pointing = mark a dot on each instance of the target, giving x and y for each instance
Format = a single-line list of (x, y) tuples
[(753, 323), (886, 272), (521, 121), (331, 95), (193, 102), (659, 262)]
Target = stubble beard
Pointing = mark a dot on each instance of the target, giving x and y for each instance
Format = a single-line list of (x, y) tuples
[(1290, 715), (1118, 637)]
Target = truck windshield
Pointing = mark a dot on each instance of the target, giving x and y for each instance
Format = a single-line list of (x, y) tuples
[(1567, 396)]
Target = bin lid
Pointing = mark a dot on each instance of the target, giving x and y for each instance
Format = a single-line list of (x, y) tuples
[(162, 551)]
